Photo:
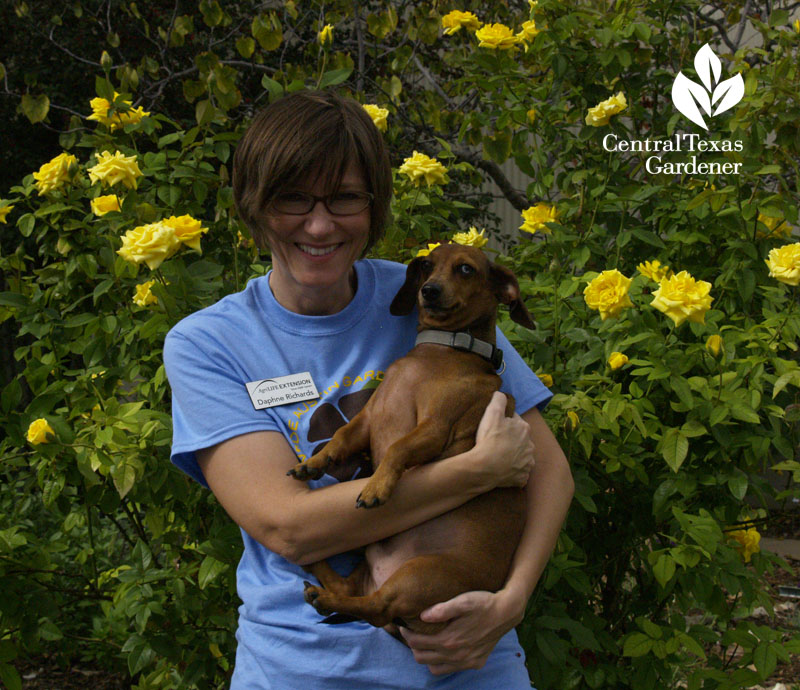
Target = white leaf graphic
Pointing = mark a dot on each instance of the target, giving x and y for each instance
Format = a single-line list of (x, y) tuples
[(686, 94), (731, 91), (707, 63)]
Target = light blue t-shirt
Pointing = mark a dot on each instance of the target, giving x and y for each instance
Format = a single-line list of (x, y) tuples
[(248, 336)]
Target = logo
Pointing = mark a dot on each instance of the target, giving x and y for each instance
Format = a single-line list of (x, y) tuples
[(713, 96)]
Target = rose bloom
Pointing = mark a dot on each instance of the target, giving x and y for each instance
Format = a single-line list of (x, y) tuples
[(473, 238), (112, 168), (714, 345), (4, 211), (38, 432), (784, 263), (54, 174), (456, 20), (546, 379), (421, 167), (150, 244), (142, 297), (428, 249), (496, 37), (187, 229), (617, 360), (608, 293), (654, 270), (681, 297), (101, 106), (535, 218), (775, 226), (572, 420), (104, 204), (602, 112), (528, 31), (325, 36), (748, 542), (379, 116)]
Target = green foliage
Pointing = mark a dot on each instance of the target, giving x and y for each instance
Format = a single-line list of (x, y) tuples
[(109, 553)]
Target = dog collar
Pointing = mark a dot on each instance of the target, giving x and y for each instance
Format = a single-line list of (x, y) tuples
[(460, 340)]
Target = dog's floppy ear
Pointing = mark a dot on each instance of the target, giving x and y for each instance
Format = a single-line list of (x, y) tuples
[(406, 296), (506, 289)]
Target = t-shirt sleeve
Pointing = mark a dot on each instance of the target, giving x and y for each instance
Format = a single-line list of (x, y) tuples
[(210, 403), (520, 381)]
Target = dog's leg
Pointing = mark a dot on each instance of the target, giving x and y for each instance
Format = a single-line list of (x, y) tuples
[(350, 586), (424, 443), (349, 439), (418, 584)]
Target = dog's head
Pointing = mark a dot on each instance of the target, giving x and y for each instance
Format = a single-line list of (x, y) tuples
[(456, 286)]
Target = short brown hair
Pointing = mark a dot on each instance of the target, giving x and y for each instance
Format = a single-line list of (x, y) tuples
[(309, 131)]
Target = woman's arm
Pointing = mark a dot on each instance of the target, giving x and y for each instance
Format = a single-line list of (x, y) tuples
[(248, 476), (480, 619)]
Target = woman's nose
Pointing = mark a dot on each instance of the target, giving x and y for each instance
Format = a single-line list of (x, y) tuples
[(319, 219)]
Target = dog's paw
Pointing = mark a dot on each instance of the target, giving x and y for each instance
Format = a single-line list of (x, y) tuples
[(312, 594), (366, 499), (305, 470)]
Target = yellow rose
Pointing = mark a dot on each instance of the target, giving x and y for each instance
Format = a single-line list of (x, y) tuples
[(528, 31), (531, 116), (142, 297), (714, 345), (784, 263), (104, 204), (420, 167), (379, 116), (4, 211), (546, 379), (112, 168), (681, 297), (602, 112), (535, 218), (325, 36), (187, 229), (150, 244), (775, 226), (748, 542), (39, 431), (617, 360), (429, 249), (654, 270), (456, 20), (496, 37), (127, 115), (473, 238), (54, 174), (608, 293), (572, 421), (796, 25)]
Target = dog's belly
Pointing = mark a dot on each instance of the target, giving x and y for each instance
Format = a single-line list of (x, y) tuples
[(485, 529)]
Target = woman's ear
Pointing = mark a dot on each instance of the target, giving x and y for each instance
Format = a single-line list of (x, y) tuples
[(406, 296), (506, 290)]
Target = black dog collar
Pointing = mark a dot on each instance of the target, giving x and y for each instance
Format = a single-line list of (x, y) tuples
[(460, 340)]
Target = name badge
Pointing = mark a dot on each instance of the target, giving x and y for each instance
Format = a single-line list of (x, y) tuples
[(282, 390)]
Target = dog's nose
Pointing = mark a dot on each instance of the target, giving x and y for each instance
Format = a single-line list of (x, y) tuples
[(431, 292)]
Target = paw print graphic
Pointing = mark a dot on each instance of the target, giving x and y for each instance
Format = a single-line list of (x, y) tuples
[(327, 418)]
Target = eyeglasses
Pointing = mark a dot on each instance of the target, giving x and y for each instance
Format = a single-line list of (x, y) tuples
[(339, 204)]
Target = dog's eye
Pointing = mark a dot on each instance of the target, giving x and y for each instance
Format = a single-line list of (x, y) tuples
[(465, 269), (426, 266)]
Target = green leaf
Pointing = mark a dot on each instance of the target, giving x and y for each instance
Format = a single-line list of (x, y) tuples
[(14, 300), (10, 677), (35, 108), (675, 447), (124, 477), (210, 568), (664, 569), (335, 76), (498, 147), (637, 644)]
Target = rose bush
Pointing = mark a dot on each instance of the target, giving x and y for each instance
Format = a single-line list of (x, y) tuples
[(666, 311)]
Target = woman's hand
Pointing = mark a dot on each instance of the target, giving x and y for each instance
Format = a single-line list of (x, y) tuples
[(504, 445), (477, 621)]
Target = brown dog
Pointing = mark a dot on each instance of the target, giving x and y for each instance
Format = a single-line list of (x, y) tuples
[(428, 407)]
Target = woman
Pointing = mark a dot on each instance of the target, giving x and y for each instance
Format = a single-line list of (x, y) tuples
[(312, 181)]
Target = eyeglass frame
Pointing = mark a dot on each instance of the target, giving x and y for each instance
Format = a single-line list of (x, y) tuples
[(368, 196)]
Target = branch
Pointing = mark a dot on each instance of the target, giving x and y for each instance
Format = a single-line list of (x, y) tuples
[(518, 200)]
